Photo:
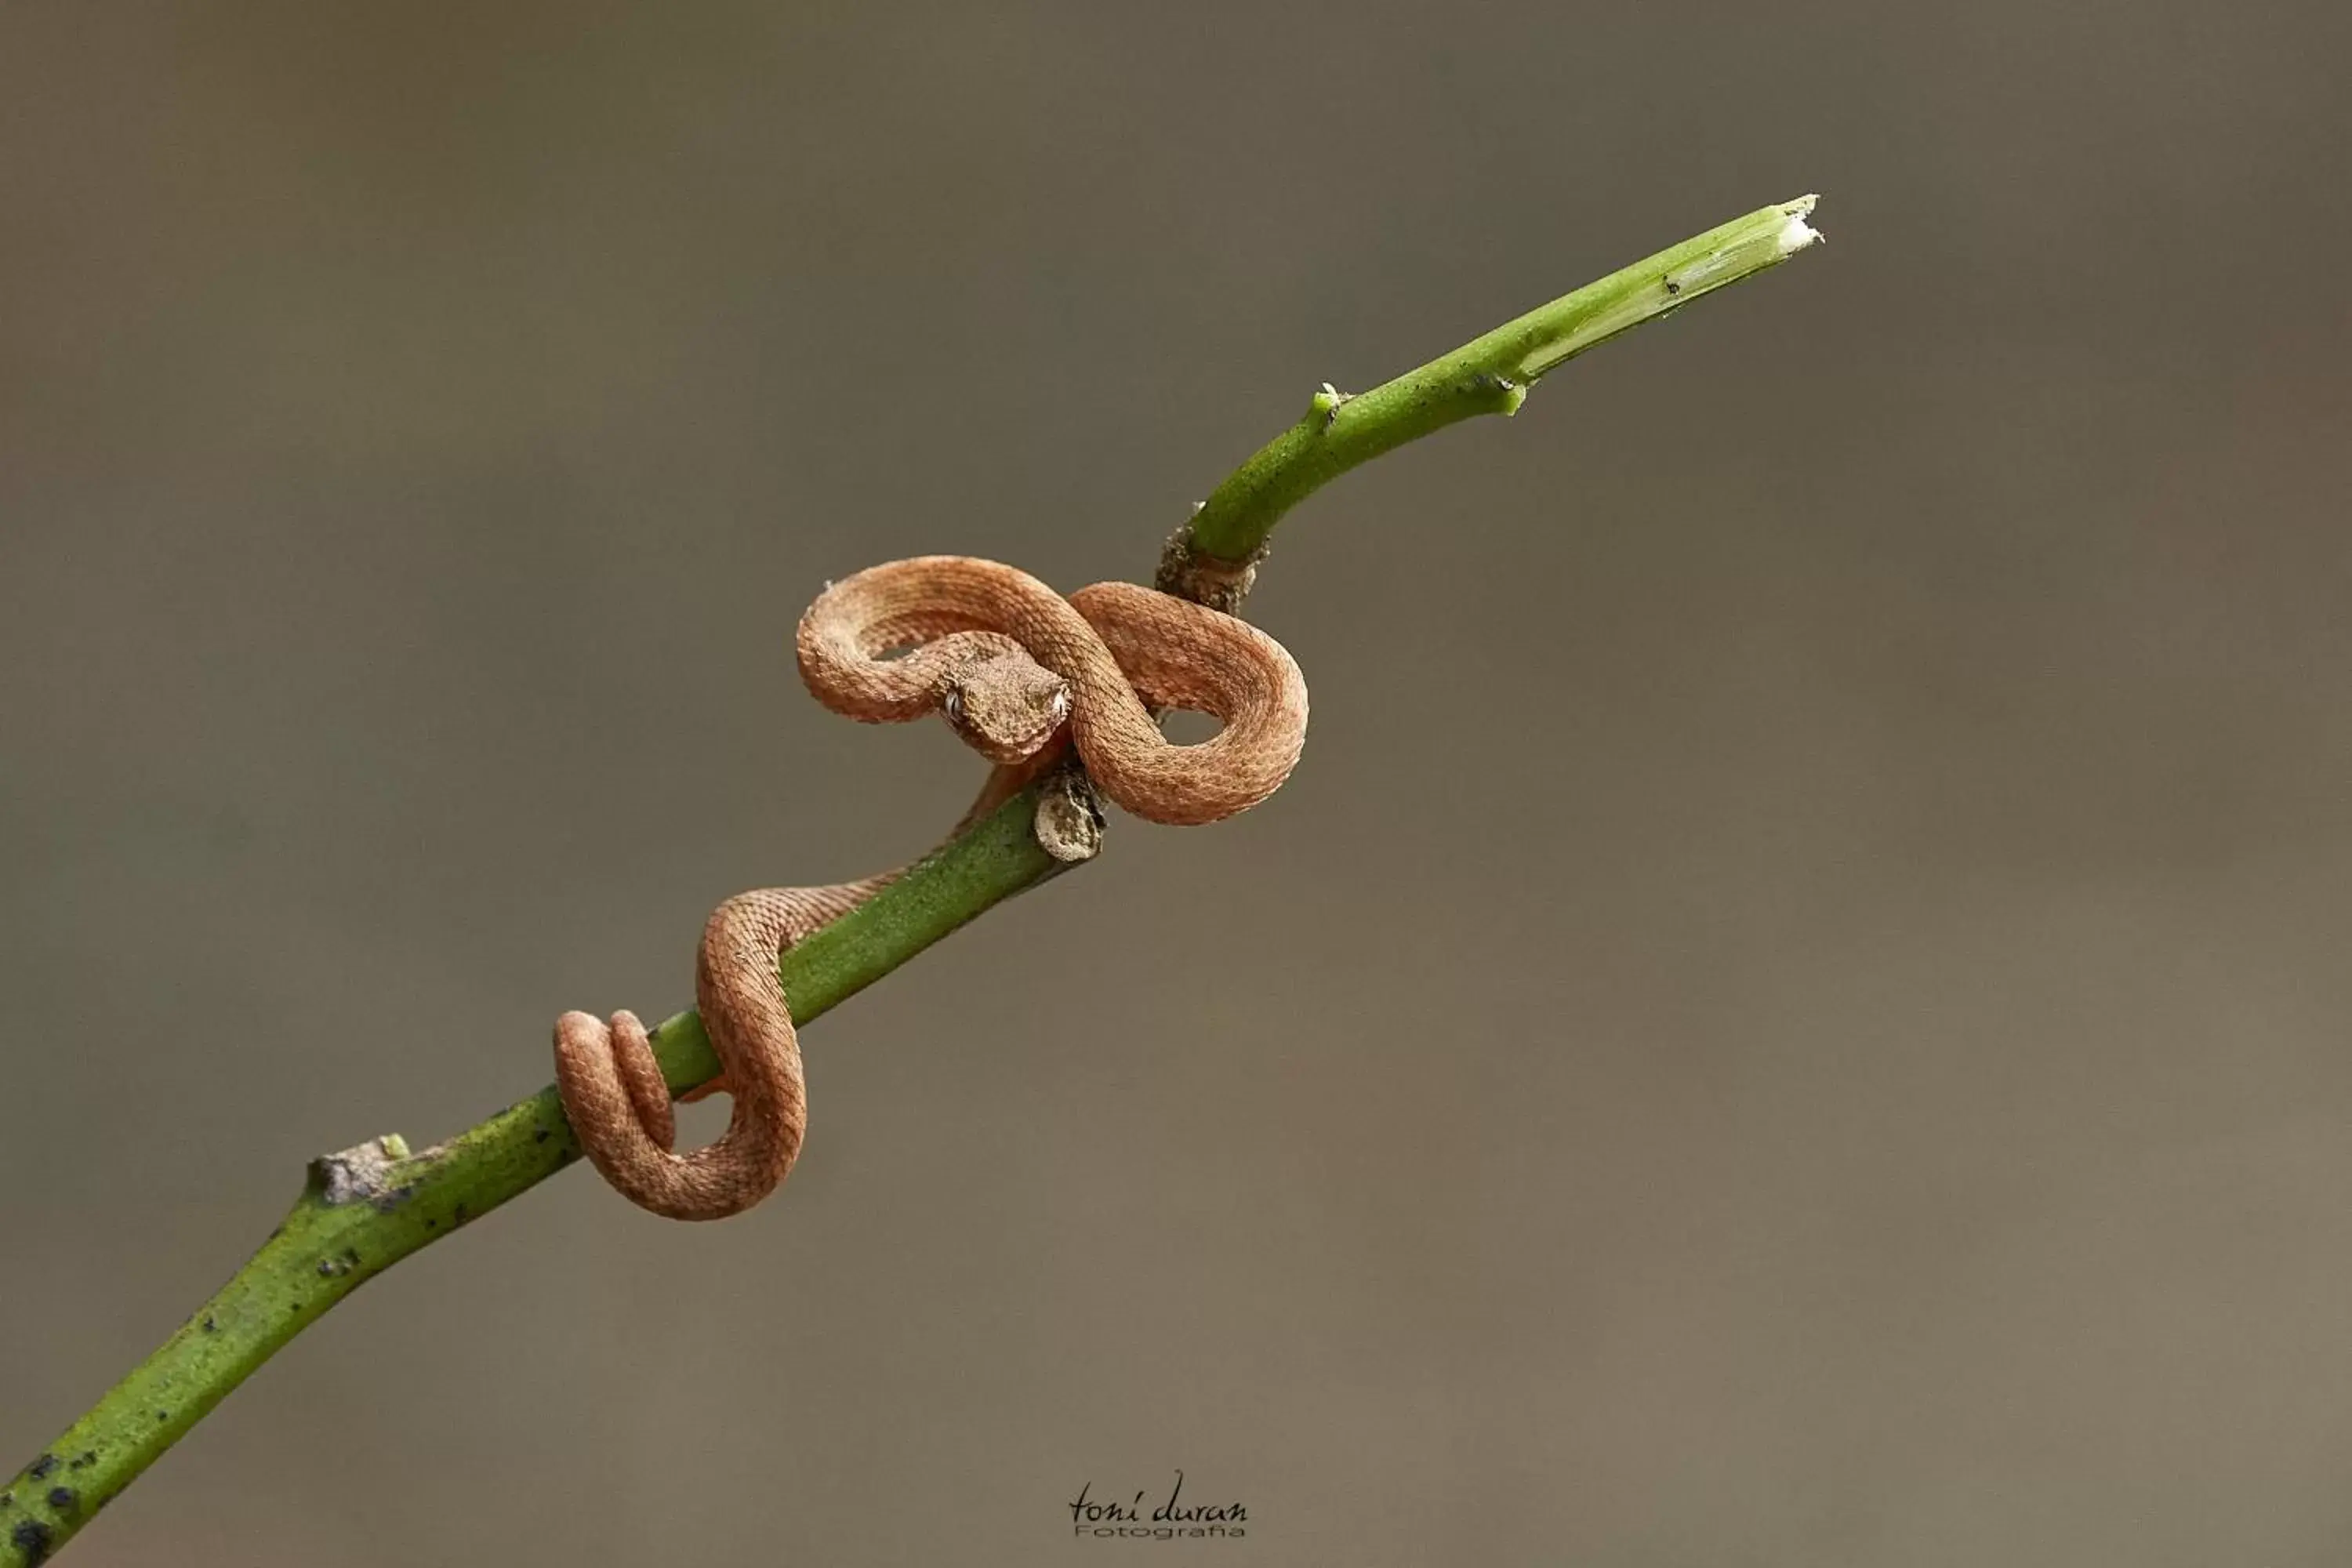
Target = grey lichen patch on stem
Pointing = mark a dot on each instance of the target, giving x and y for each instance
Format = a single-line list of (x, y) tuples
[(1069, 817), (1192, 574), (360, 1174)]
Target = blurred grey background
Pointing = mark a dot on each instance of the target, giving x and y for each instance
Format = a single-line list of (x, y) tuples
[(1794, 1012)]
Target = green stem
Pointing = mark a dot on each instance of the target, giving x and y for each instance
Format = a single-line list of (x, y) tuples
[(1490, 375), (366, 1209)]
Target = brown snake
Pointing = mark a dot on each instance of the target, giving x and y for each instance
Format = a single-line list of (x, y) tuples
[(1020, 673)]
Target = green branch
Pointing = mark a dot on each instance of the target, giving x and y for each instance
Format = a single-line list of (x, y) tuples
[(366, 1209), (1490, 375)]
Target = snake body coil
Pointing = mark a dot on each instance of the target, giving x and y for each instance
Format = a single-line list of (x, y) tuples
[(1019, 672)]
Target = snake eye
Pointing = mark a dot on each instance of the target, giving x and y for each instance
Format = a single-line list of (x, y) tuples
[(953, 706)]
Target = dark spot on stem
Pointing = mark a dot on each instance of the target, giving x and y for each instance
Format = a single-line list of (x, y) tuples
[(83, 1463), (210, 1326), (62, 1499), (540, 1136), (41, 1466), (32, 1539), (394, 1198), (163, 1416)]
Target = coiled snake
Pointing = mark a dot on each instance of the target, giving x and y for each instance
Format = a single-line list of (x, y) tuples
[(1021, 674)]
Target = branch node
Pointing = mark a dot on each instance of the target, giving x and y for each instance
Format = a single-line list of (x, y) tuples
[(1326, 403), (1205, 579)]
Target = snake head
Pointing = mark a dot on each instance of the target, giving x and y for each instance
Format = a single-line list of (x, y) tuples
[(1006, 706)]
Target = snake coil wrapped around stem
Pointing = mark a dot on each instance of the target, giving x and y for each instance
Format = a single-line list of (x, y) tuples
[(1023, 676)]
